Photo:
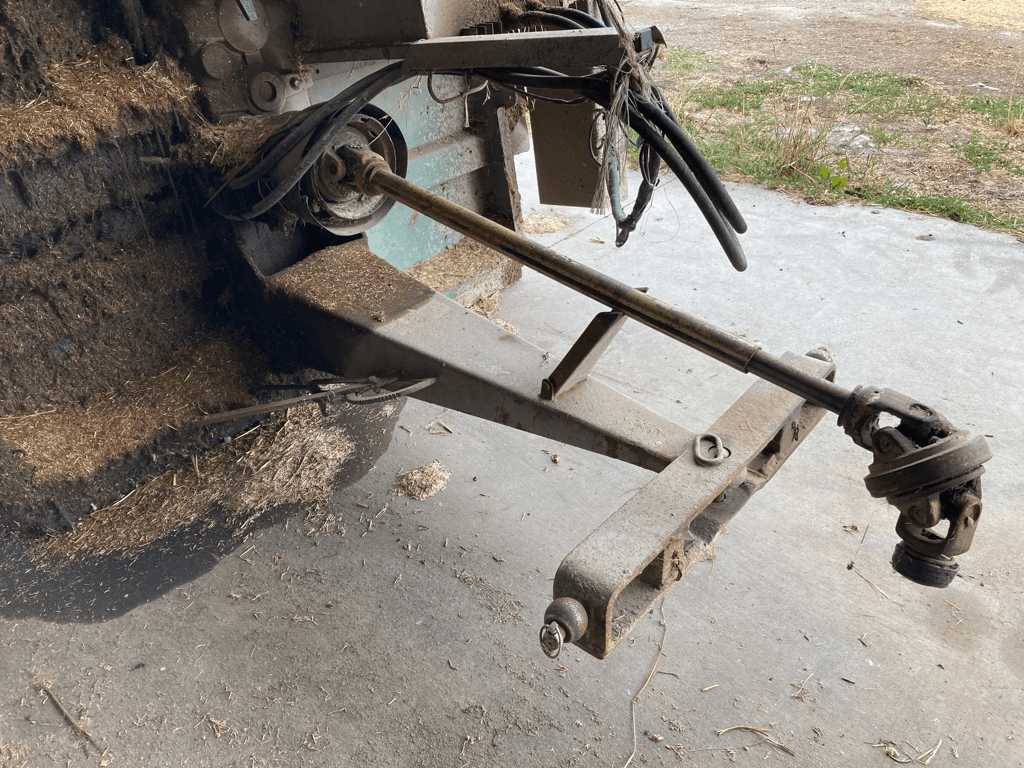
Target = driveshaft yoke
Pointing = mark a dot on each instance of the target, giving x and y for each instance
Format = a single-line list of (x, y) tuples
[(926, 468)]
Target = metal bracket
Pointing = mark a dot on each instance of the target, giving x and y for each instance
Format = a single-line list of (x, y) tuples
[(552, 48), (623, 568), (577, 364), (575, 367)]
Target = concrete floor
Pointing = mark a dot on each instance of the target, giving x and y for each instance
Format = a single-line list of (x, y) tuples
[(414, 641)]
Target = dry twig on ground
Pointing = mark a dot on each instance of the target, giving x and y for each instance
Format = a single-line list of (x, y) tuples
[(893, 753), (661, 650), (760, 731), (78, 729)]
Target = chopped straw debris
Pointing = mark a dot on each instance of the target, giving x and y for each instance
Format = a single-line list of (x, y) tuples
[(294, 456), (298, 462), (100, 98), (466, 270), (422, 482), (539, 224), (802, 692), (72, 442), (233, 145), (762, 732), (94, 100), (487, 306), (13, 753)]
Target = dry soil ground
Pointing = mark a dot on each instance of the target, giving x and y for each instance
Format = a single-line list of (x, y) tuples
[(954, 43), (930, 149)]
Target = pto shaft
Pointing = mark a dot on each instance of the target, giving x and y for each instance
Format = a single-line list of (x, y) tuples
[(372, 176)]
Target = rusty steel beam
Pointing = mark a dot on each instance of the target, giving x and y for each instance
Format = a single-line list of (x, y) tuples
[(344, 310), (617, 575)]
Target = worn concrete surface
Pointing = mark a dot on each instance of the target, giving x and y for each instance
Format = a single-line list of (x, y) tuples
[(412, 640)]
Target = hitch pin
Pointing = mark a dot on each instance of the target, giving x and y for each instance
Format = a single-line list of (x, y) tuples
[(551, 638)]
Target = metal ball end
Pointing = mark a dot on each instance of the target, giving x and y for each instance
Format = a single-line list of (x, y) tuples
[(570, 615), (924, 570), (565, 621)]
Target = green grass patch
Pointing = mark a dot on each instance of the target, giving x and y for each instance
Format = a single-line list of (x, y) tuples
[(799, 160), (881, 136), (744, 96), (1000, 111), (882, 95), (822, 79), (779, 155), (685, 61), (952, 207), (986, 154), (774, 130)]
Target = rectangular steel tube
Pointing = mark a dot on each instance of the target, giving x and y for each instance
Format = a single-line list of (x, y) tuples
[(627, 564), (553, 48)]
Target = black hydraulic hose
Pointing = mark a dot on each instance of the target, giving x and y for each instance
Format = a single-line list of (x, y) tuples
[(723, 231), (593, 88), (544, 19), (650, 164), (602, 6), (703, 171), (614, 191), (661, 101), (306, 125), (335, 125), (596, 91), (580, 17)]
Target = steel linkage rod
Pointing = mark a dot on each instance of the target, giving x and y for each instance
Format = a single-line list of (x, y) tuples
[(373, 176)]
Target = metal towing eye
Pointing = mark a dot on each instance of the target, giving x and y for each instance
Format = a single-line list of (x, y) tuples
[(925, 467)]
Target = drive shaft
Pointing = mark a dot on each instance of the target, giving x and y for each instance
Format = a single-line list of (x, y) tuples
[(372, 176)]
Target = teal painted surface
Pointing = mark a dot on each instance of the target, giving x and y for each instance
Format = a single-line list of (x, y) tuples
[(404, 238)]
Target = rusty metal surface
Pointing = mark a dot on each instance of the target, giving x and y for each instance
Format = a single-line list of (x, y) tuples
[(356, 22), (951, 461), (926, 468), (377, 324), (567, 142), (947, 476), (623, 568), (352, 313), (580, 359), (551, 48)]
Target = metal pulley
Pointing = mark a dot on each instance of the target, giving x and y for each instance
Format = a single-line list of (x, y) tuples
[(326, 197)]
